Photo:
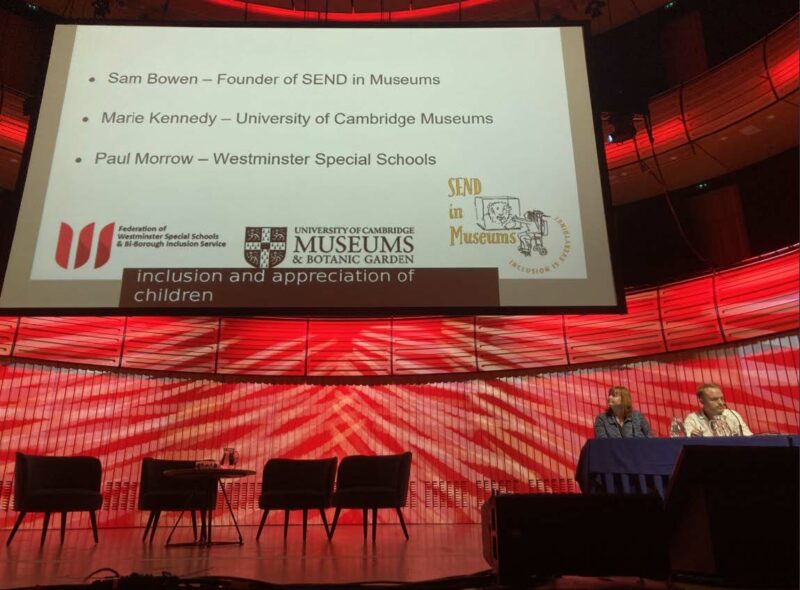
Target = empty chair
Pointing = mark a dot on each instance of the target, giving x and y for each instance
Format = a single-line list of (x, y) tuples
[(159, 493), (56, 484), (372, 482), (296, 484)]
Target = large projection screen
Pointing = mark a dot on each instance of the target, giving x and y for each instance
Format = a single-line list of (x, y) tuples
[(314, 170)]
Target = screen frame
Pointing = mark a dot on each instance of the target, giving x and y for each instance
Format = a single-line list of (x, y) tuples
[(9, 227)]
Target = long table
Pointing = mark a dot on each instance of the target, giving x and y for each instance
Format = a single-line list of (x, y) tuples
[(643, 465)]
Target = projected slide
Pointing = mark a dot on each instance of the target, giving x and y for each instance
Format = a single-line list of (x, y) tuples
[(313, 169)]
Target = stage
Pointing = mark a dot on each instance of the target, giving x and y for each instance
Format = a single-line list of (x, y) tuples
[(434, 551)]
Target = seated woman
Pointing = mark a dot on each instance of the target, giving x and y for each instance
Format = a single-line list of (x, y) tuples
[(621, 420)]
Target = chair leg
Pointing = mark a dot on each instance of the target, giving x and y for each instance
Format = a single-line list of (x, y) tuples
[(93, 519), (305, 523), (285, 524), (63, 525), (155, 525), (16, 526), (325, 522), (261, 524), (374, 523), (45, 524), (203, 526), (364, 513), (402, 522), (147, 526), (194, 524), (333, 524)]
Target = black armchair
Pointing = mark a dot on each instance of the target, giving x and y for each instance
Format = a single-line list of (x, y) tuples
[(370, 483), (56, 484), (158, 493), (296, 484)]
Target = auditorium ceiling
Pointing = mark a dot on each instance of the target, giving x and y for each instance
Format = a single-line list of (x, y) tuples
[(604, 14)]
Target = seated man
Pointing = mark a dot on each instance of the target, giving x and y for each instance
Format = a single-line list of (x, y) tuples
[(713, 418)]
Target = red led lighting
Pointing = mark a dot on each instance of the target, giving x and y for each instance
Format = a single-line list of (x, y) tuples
[(516, 434), (754, 300), (786, 70), (13, 131), (314, 15)]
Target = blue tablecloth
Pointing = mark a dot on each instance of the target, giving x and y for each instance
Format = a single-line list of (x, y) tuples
[(643, 465)]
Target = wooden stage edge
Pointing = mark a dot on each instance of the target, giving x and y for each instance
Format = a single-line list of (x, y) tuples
[(434, 551)]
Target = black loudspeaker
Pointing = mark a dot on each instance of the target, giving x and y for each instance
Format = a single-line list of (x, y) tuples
[(733, 515), (531, 536)]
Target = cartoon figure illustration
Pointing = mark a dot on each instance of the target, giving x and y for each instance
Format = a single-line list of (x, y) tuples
[(497, 213), (503, 213), (534, 228)]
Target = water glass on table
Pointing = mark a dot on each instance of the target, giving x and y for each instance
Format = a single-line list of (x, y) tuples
[(676, 428), (230, 457)]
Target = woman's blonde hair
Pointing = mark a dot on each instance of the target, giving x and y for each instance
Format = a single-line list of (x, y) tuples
[(627, 402)]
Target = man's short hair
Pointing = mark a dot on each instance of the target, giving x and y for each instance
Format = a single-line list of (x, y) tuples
[(701, 390)]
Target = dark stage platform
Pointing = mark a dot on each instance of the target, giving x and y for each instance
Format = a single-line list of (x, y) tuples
[(434, 551)]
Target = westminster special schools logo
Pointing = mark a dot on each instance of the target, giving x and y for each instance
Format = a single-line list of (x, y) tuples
[(84, 245), (264, 247)]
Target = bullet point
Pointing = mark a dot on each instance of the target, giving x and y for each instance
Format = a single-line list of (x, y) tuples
[(91, 79), (85, 119), (78, 160)]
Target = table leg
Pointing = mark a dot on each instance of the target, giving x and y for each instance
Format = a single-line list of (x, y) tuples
[(174, 526), (186, 503), (660, 481), (230, 510), (608, 479), (207, 526)]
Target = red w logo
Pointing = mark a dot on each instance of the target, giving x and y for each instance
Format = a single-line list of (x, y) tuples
[(64, 247)]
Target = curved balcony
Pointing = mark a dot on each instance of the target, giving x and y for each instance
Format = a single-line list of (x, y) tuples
[(754, 299), (741, 112)]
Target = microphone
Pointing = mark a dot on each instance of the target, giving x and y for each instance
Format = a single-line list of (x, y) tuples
[(741, 426)]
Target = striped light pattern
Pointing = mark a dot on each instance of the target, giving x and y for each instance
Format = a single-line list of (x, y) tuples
[(751, 300), (468, 437), (345, 11)]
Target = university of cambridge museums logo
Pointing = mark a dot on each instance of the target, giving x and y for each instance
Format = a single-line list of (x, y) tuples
[(264, 247), (529, 230)]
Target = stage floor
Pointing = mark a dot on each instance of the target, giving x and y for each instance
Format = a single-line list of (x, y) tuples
[(434, 551)]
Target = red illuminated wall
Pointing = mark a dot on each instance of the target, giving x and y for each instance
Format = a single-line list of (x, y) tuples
[(514, 433), (752, 300)]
